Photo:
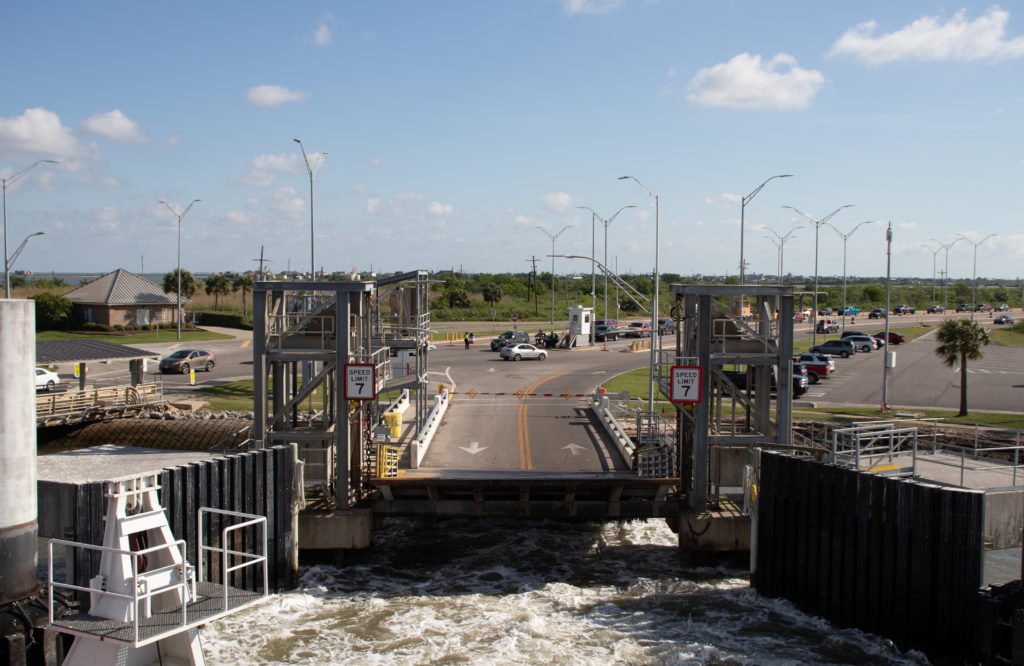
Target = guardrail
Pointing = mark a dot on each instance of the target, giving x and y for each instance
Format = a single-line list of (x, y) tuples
[(65, 407), (419, 446), (600, 404)]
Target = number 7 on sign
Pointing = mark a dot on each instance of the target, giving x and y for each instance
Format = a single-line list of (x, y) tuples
[(686, 384)]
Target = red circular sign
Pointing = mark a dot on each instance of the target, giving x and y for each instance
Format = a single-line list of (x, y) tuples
[(515, 317)]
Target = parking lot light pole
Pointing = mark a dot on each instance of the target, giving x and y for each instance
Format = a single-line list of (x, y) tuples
[(817, 225), (974, 275), (743, 205), (654, 302), (553, 239), (780, 242), (311, 168), (180, 216), (846, 237), (605, 223), (5, 181), (935, 255), (945, 275)]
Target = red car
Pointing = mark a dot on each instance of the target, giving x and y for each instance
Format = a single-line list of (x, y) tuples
[(894, 337), (638, 329), (799, 316)]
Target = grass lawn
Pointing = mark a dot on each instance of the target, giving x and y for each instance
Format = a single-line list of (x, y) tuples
[(1008, 337), (165, 335)]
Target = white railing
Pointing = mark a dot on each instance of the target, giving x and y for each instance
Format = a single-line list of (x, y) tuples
[(248, 559), (419, 446)]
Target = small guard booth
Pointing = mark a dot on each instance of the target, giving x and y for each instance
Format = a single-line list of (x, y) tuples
[(581, 324)]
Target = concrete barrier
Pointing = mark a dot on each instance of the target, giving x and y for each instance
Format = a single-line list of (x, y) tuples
[(419, 446), (613, 427)]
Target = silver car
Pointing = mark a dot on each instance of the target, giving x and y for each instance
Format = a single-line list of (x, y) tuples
[(520, 351)]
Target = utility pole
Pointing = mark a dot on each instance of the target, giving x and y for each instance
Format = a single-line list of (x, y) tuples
[(533, 285)]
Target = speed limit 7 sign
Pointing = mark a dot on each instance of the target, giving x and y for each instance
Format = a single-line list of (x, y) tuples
[(360, 381), (686, 384)]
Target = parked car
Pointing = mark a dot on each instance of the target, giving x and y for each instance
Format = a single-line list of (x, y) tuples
[(894, 337), (875, 342), (666, 326), (862, 342), (739, 379), (903, 309), (612, 323), (848, 310), (825, 312), (818, 366), (878, 313), (843, 348), (936, 309), (1002, 308), (963, 307), (518, 351), (826, 326), (604, 333), (184, 360), (638, 329), (982, 307), (1003, 319), (798, 316), (47, 380), (507, 337)]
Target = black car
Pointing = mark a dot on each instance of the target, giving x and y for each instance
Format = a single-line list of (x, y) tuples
[(604, 333), (509, 337), (963, 307), (936, 309), (843, 348), (877, 313), (824, 312)]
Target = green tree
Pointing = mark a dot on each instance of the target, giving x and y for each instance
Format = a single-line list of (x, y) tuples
[(873, 293), (52, 310), (456, 297), (245, 283), (491, 292), (188, 283), (961, 340), (217, 285)]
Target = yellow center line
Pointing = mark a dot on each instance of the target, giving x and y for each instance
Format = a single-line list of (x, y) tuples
[(246, 343), (523, 435)]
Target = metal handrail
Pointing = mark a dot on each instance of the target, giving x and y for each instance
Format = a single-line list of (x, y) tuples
[(253, 559)]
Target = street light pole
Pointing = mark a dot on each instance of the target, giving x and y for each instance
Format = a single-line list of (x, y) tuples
[(605, 223), (780, 242), (180, 216), (654, 302), (743, 204), (817, 225), (311, 168), (553, 239), (845, 237), (5, 181), (945, 275), (935, 255), (974, 276)]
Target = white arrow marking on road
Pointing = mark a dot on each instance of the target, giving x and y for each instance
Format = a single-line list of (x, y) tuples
[(573, 448), (599, 372), (473, 448)]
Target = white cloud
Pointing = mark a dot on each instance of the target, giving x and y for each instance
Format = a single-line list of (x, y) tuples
[(113, 125), (38, 131), (263, 169), (372, 205), (723, 200), (590, 6), (436, 208), (929, 39), (557, 202), (288, 203), (746, 83), (267, 96), (907, 225), (322, 35)]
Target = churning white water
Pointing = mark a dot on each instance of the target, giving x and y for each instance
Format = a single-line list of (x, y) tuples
[(466, 592)]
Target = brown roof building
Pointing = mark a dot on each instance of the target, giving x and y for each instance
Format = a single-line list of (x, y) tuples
[(124, 298)]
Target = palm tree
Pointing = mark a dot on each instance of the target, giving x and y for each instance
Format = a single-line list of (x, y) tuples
[(217, 284), (188, 283), (960, 340), (245, 283)]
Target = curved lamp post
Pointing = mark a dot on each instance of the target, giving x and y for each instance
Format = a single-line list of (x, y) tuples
[(845, 238), (654, 303), (180, 217), (974, 275), (5, 181), (780, 242), (311, 168), (743, 204), (817, 225), (935, 254), (945, 274), (605, 223), (553, 239)]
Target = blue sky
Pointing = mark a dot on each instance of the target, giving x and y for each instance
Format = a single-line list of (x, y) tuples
[(453, 129)]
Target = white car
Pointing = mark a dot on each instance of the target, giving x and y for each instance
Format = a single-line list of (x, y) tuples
[(520, 351), (46, 380)]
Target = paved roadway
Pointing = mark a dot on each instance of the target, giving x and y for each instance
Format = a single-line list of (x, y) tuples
[(548, 426)]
